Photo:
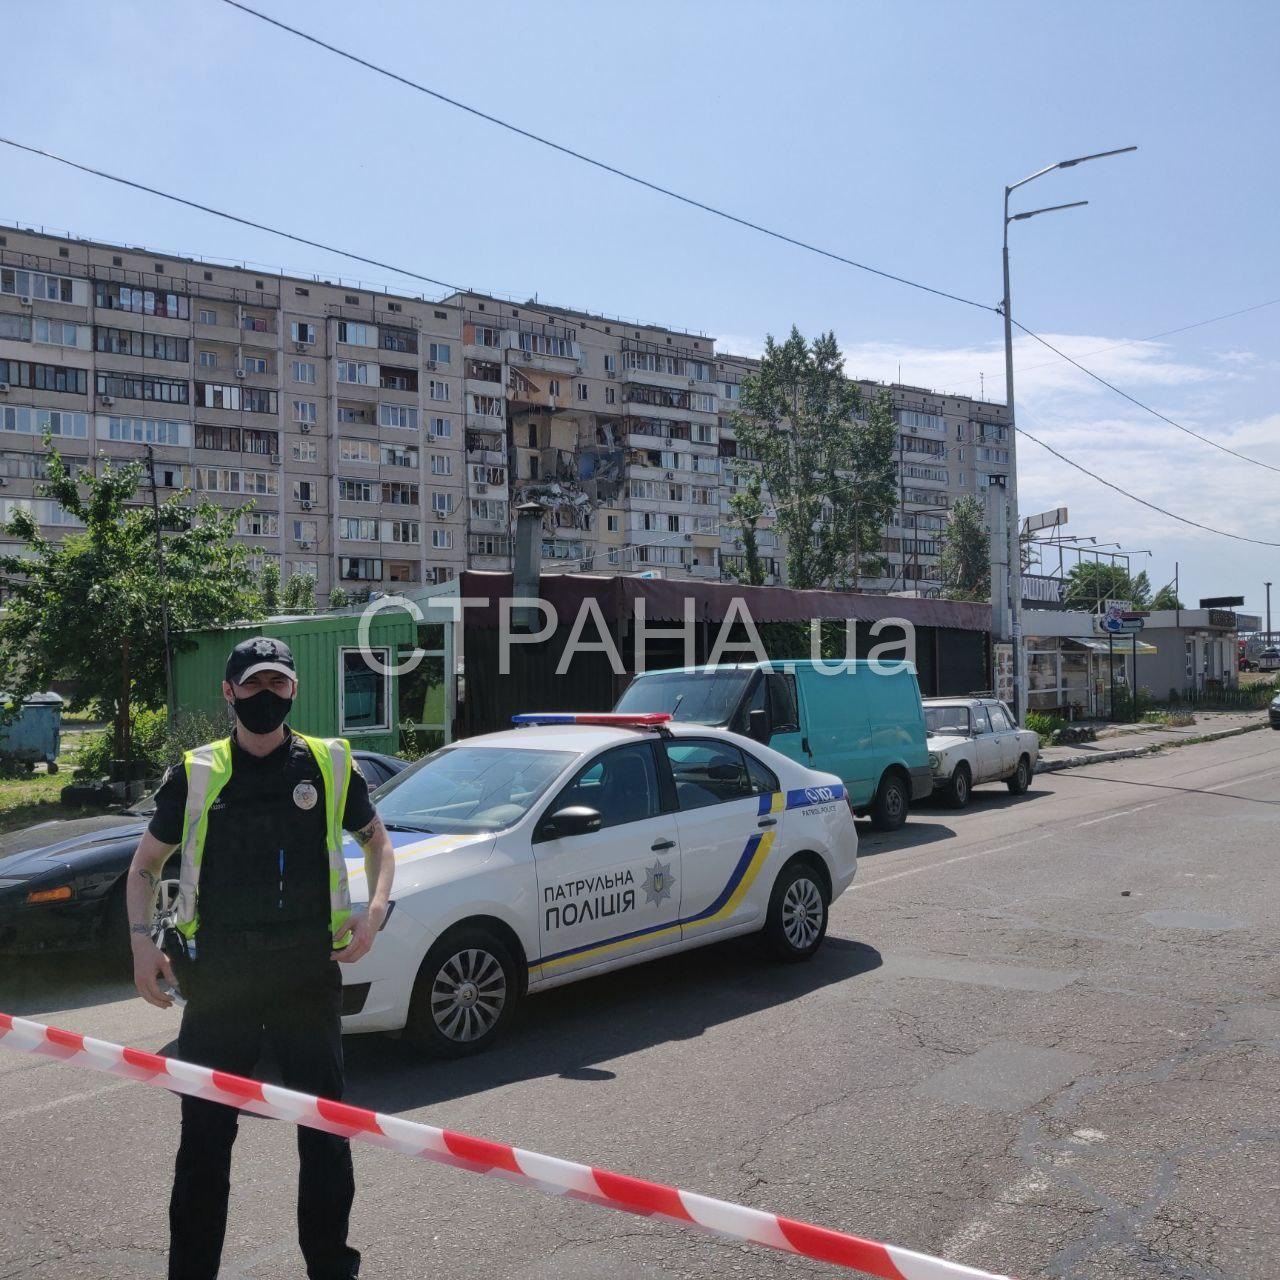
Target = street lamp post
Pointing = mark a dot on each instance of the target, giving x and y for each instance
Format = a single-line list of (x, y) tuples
[(1268, 587), (1012, 587)]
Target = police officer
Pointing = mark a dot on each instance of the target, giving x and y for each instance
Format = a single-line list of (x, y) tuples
[(263, 914)]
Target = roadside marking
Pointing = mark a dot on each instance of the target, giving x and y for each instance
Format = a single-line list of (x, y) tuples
[(1235, 782), (38, 1108), (1120, 813), (946, 862)]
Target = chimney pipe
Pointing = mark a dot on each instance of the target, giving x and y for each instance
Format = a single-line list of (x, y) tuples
[(526, 564)]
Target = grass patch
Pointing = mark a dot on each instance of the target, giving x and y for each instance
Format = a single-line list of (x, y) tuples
[(34, 798)]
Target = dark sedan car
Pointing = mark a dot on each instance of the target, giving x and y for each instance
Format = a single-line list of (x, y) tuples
[(62, 883)]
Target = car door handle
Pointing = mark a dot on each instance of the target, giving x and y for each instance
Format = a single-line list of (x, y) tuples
[(662, 844), (767, 822)]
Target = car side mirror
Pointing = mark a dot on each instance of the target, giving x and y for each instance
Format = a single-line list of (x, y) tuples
[(573, 820), (758, 727)]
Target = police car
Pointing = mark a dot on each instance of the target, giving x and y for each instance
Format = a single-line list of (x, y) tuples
[(574, 844)]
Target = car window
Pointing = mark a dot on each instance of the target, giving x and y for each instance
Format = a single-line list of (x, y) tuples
[(708, 773), (702, 697), (947, 721), (372, 772), (763, 781), (999, 720), (980, 722), (621, 785), (782, 703), (471, 788)]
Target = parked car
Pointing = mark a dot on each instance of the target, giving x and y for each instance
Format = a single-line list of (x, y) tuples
[(977, 740), (1273, 712), (62, 883), (860, 720), (575, 844), (1269, 660)]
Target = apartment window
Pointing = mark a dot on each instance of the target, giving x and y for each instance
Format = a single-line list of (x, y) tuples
[(645, 490), (553, 386), (610, 395), (357, 335), (255, 324), (304, 491), (127, 386), (255, 364), (441, 429), (441, 503), (440, 352), (704, 433), (44, 377), (698, 371), (299, 332), (360, 569), (17, 328), (395, 338), (349, 413), (357, 491), (260, 524), (488, 509), (208, 317), (731, 390), (357, 450), (256, 400), (391, 378), (702, 497), (144, 302), (208, 437), (145, 430), (407, 531), (217, 480), (611, 523), (357, 529), (490, 544), (398, 415), (544, 344), (35, 422), (62, 333), (442, 539), (486, 337), (304, 451), (304, 371), (36, 284), (399, 493), (438, 390), (305, 530), (213, 395), (208, 359), (922, 421), (129, 342), (302, 568), (487, 406), (304, 411), (397, 456), (267, 442), (355, 371), (441, 464), (582, 391), (611, 364), (702, 402)]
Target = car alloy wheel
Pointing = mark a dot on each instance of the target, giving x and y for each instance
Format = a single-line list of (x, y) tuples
[(468, 994), (802, 913)]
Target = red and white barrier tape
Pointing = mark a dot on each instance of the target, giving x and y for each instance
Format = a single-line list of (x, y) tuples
[(478, 1155)]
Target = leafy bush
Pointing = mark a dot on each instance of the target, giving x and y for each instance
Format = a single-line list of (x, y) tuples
[(416, 743), (157, 741), (1044, 724), (1173, 719)]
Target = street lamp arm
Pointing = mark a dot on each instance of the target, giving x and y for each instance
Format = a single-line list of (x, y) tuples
[(1067, 164), (1051, 208)]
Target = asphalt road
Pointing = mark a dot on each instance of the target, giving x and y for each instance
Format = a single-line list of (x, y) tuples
[(1043, 1038)]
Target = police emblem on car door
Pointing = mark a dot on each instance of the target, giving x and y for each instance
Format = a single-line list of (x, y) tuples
[(615, 890)]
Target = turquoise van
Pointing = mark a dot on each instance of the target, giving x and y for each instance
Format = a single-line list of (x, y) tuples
[(860, 720)]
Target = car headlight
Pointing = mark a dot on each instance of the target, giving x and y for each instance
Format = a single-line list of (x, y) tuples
[(934, 759)]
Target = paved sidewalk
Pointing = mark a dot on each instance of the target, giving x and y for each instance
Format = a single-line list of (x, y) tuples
[(1121, 741)]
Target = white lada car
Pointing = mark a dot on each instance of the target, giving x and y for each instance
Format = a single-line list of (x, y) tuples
[(575, 844), (975, 740)]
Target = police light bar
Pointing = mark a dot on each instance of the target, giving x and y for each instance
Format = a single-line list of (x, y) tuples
[(616, 719)]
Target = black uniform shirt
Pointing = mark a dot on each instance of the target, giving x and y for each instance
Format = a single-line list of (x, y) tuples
[(265, 865)]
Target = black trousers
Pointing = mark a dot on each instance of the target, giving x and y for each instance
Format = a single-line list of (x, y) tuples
[(237, 1006)]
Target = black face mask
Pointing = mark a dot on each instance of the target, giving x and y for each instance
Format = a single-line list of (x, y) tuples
[(264, 712)]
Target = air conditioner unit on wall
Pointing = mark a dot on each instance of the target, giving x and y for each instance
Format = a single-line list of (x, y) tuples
[(305, 428), (25, 300), (276, 459), (108, 400), (304, 545), (300, 346), (306, 504), (430, 364), (239, 373)]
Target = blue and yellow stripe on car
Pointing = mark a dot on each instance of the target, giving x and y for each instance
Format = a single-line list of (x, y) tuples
[(726, 902), (800, 798)]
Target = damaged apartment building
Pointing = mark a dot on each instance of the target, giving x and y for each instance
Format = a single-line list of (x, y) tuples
[(376, 440)]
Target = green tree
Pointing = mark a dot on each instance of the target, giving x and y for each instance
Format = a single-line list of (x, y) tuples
[(89, 609), (1166, 598), (1140, 591), (965, 563), (300, 593), (826, 458), (1091, 583), (748, 508), (337, 598), (269, 587)]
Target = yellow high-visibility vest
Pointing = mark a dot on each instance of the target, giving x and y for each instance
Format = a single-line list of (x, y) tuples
[(208, 770)]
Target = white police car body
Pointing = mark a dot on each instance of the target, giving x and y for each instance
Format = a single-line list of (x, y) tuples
[(574, 845)]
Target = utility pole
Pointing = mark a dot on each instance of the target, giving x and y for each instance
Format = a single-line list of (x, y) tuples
[(164, 588), (1013, 525), (1268, 587)]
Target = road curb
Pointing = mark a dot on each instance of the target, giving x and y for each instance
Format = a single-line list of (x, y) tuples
[(1130, 753)]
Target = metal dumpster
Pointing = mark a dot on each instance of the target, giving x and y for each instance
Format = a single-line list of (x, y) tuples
[(35, 733)]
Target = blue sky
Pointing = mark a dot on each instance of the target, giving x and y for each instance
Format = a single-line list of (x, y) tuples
[(884, 131)]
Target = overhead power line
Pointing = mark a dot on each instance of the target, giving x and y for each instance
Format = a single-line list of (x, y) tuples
[(417, 275), (1111, 386), (603, 165), (1164, 511)]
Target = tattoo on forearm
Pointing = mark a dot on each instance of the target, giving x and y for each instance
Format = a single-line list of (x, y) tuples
[(364, 837), (149, 876)]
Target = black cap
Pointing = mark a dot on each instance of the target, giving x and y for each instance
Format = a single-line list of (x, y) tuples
[(262, 653)]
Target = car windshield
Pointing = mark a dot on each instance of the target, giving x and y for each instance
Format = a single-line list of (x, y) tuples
[(470, 788), (947, 721), (709, 697)]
